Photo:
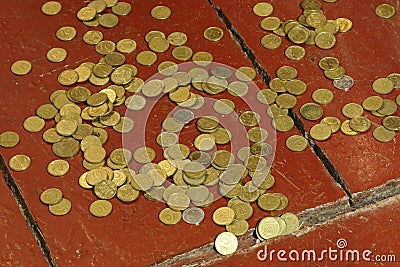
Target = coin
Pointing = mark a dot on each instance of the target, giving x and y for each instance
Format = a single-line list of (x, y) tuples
[(161, 12), (395, 78), (146, 58), (383, 135), (223, 216), (100, 208), (19, 163), (169, 217), (333, 122), (60, 208), (271, 41), (58, 167), (328, 63), (325, 40), (320, 131), (391, 123), (389, 107), (292, 223), (183, 116), (193, 215), (99, 5), (322, 96), (295, 52), (385, 11), (351, 110), (311, 111), (108, 20), (158, 44), (121, 9), (268, 228), (51, 196), (344, 83), (86, 13), (21, 67), (105, 189), (283, 123), (66, 33), (238, 88), (270, 23), (296, 143), (268, 202), (296, 87), (263, 9), (126, 46), (66, 148), (226, 243), (345, 128), (33, 124), (345, 24), (360, 124), (238, 227), (182, 53), (9, 139), (56, 54), (51, 8), (383, 86), (213, 34), (68, 77)]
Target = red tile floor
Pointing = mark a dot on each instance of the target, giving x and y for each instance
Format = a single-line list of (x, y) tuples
[(132, 235)]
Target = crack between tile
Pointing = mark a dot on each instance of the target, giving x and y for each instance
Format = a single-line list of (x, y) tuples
[(320, 154), (311, 219), (23, 207)]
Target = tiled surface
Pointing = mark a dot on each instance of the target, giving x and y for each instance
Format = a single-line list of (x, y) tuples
[(132, 234)]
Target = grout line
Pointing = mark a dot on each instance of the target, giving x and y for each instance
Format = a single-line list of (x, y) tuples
[(23, 207), (310, 219), (320, 154)]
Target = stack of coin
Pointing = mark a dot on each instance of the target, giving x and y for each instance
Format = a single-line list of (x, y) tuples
[(270, 227), (58, 205)]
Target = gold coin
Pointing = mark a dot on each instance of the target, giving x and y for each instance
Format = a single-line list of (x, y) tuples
[(271, 41), (257, 134), (105, 189), (66, 33), (204, 142), (360, 124), (286, 73), (169, 217), (238, 227), (86, 13), (292, 223), (93, 22), (277, 85), (286, 101), (298, 34), (316, 19), (66, 127), (146, 58), (385, 11), (325, 40), (328, 63), (177, 38), (92, 37), (266, 96), (51, 196), (389, 107), (51, 136), (268, 202), (320, 132), (238, 88), (152, 34), (100, 208), (94, 154), (295, 52), (283, 123), (333, 122), (345, 24), (144, 155), (224, 106), (311, 5), (345, 128), (383, 86), (213, 34), (295, 87), (19, 163), (121, 9), (84, 73), (158, 44), (330, 26), (126, 46), (383, 135), (273, 111), (182, 53), (311, 111), (161, 12), (202, 58), (243, 210), (223, 216), (108, 20), (99, 5), (105, 47), (296, 143), (352, 110), (60, 208), (66, 148), (222, 136), (58, 167), (33, 124), (226, 243), (395, 78), (249, 118), (68, 77), (322, 96), (337, 73), (9, 139), (270, 23), (51, 8), (21, 67), (263, 9), (391, 123), (127, 193)]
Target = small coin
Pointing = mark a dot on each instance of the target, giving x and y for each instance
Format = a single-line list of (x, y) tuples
[(21, 67), (146, 58), (223, 216), (161, 12), (325, 40), (183, 116), (295, 52), (68, 77), (344, 83), (263, 9), (346, 129), (58, 167), (19, 163), (169, 217), (193, 215), (345, 24), (283, 123), (100, 208), (360, 124), (86, 13), (320, 131), (51, 196), (389, 107), (226, 243), (383, 86), (385, 11), (182, 53), (333, 122), (352, 110), (296, 143), (60, 208), (51, 8), (9, 139), (33, 124), (322, 96), (391, 123), (238, 227), (271, 41), (121, 9), (108, 20), (383, 135), (395, 78), (292, 223), (311, 111), (66, 33), (372, 103), (213, 34), (328, 63)]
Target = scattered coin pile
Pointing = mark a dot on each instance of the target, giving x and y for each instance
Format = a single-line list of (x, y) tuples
[(270, 227), (58, 205)]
